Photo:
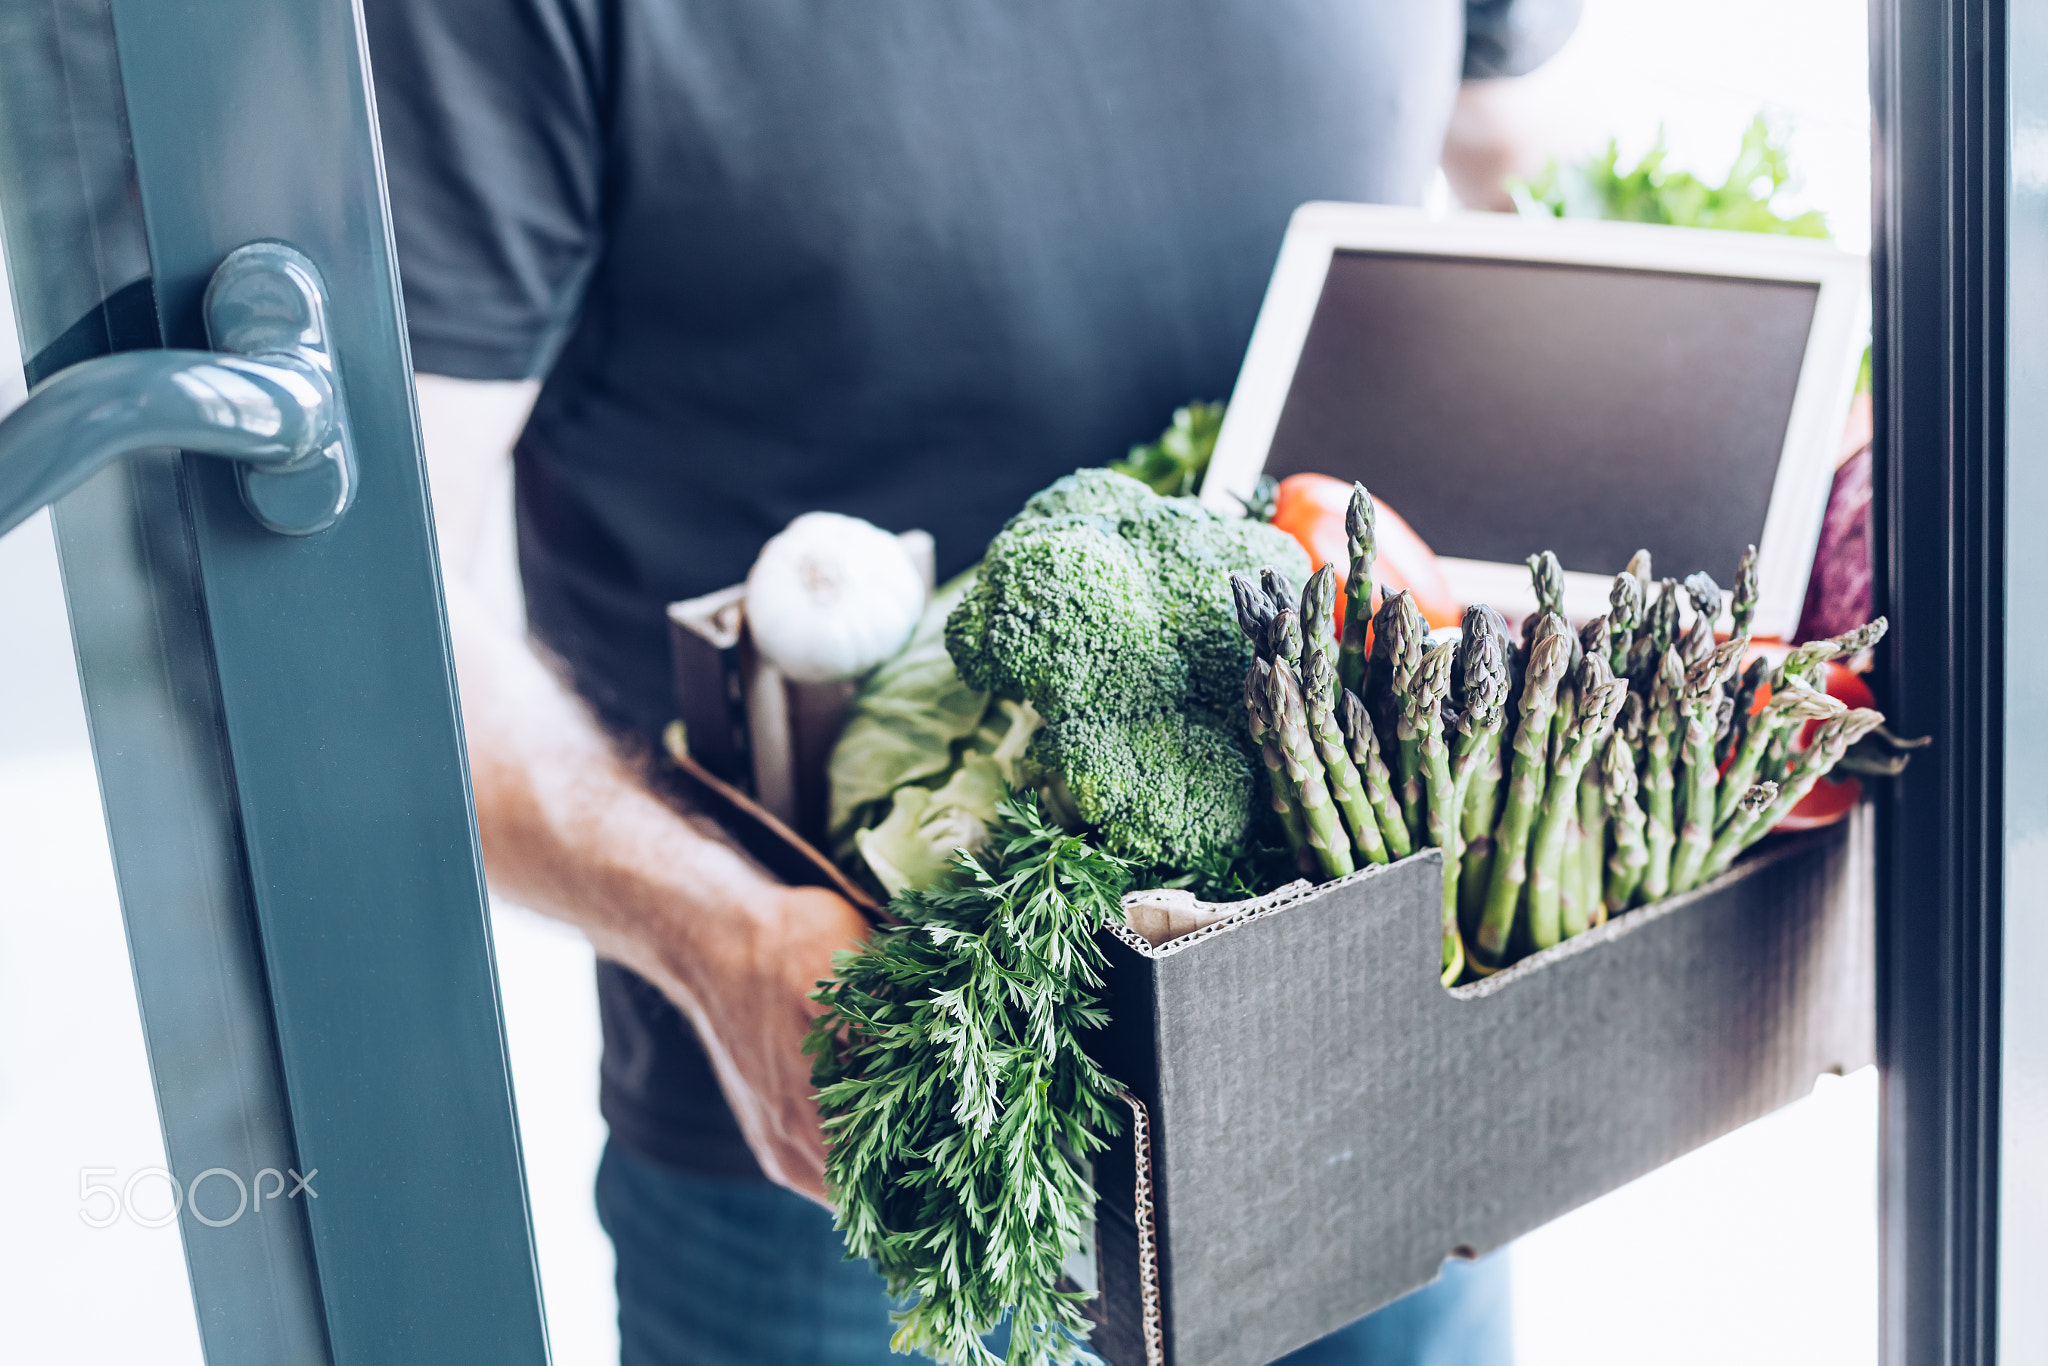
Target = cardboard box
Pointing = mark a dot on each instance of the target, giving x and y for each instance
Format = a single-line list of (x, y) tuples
[(1317, 1124), (1328, 1124)]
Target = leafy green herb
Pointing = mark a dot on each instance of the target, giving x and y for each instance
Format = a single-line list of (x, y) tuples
[(1175, 463), (1265, 499), (1238, 873), (960, 1107), (1648, 193)]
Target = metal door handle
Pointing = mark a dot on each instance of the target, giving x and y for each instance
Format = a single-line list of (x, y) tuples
[(266, 398)]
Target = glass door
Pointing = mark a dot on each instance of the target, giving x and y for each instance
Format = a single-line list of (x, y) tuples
[(206, 303)]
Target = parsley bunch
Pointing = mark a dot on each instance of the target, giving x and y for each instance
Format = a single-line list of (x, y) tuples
[(956, 1097), (1175, 463)]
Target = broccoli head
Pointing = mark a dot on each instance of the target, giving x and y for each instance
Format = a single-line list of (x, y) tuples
[(1168, 789), (1066, 616), (1108, 608), (1102, 493), (1194, 552)]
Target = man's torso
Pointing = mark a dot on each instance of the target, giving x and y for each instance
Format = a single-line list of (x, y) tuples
[(904, 259)]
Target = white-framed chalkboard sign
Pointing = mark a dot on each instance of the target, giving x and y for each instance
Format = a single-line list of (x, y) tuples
[(1512, 384)]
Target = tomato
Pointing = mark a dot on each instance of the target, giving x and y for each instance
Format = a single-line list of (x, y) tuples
[(1829, 801), (1311, 507), (1831, 798)]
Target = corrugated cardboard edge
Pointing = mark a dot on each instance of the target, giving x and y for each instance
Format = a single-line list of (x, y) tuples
[(1243, 913), (1776, 851), (1143, 1214), (1148, 1242)]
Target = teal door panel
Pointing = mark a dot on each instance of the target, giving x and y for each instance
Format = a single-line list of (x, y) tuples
[(274, 716)]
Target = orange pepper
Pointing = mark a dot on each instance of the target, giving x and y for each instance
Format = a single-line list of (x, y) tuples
[(1310, 508)]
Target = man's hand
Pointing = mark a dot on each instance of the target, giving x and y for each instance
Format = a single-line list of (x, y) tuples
[(1492, 136), (756, 1013), (570, 830)]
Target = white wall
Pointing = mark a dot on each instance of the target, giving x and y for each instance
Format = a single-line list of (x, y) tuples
[(1703, 68)]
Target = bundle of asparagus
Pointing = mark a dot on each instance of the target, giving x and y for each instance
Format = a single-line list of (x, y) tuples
[(1568, 777)]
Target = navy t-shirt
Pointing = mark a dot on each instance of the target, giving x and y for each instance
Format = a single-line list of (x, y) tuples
[(905, 259)]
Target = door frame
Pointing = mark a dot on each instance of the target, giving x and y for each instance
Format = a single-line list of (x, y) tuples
[(277, 731), (1957, 524)]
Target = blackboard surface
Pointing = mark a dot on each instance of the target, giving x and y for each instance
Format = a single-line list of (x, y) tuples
[(1504, 407)]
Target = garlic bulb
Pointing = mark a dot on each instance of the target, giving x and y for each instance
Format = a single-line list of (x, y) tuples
[(831, 597)]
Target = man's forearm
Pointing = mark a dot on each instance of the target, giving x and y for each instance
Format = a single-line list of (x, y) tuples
[(572, 830), (568, 828)]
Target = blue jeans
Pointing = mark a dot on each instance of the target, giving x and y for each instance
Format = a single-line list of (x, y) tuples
[(741, 1273)]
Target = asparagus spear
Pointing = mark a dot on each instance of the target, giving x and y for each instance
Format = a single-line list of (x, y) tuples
[(1345, 784), (1590, 847), (1646, 596), (1813, 763), (1724, 722), (1363, 741), (1752, 822), (1571, 915), (1660, 729), (1700, 705), (1549, 653), (1547, 576), (1592, 851), (1625, 865), (1856, 641), (1705, 595), (1319, 607), (1747, 590), (1624, 615), (1487, 653), (1802, 666), (1482, 693), (1257, 688), (1790, 707), (1278, 590), (1643, 656), (1659, 633), (1405, 631), (1744, 711), (1254, 611), (1629, 725), (1378, 692), (1283, 636), (1804, 663), (1567, 709), (1361, 536), (1593, 640), (1422, 712), (1481, 815), (1288, 716), (1601, 697), (1750, 807)]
